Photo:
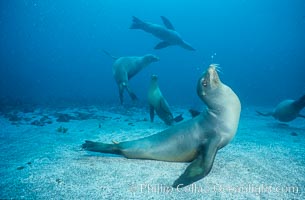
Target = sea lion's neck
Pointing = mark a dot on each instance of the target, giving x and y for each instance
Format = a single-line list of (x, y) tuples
[(215, 100), (138, 65), (224, 106), (153, 85)]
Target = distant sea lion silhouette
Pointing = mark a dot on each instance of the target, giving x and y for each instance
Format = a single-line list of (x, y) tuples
[(124, 68), (159, 104), (196, 140), (287, 110), (167, 34)]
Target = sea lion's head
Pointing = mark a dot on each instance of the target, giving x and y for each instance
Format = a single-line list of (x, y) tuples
[(149, 58), (154, 81), (154, 78), (208, 83)]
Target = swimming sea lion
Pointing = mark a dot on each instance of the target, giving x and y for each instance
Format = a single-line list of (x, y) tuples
[(287, 110), (124, 68), (167, 34), (196, 140), (159, 104)]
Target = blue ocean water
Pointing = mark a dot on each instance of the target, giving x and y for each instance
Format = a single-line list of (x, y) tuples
[(53, 50), (57, 90)]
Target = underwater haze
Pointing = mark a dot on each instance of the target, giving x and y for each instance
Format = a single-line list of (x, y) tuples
[(52, 51)]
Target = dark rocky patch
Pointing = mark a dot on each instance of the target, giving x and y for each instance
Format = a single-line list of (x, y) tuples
[(293, 134), (20, 168), (46, 120), (42, 122), (64, 117), (13, 117), (37, 123)]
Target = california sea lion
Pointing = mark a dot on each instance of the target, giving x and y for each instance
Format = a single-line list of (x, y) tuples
[(167, 34), (124, 68), (287, 110), (159, 104), (196, 140)]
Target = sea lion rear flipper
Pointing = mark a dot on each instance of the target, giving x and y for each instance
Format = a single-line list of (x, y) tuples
[(101, 147), (194, 113), (178, 118), (264, 114), (167, 23), (200, 167), (187, 46), (121, 91), (136, 23), (162, 45), (151, 113)]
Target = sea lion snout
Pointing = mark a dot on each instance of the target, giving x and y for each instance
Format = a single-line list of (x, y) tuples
[(209, 81), (214, 78), (154, 77), (151, 58)]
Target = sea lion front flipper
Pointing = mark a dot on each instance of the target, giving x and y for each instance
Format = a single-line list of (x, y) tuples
[(133, 96), (201, 166), (178, 118), (162, 45), (167, 23), (122, 86), (108, 54), (121, 91), (151, 113)]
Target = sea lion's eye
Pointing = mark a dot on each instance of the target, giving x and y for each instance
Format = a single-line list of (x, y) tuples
[(204, 83)]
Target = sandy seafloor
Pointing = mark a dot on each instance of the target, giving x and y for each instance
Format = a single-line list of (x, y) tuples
[(266, 159)]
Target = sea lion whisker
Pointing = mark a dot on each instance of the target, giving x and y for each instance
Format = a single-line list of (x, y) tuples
[(217, 67)]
